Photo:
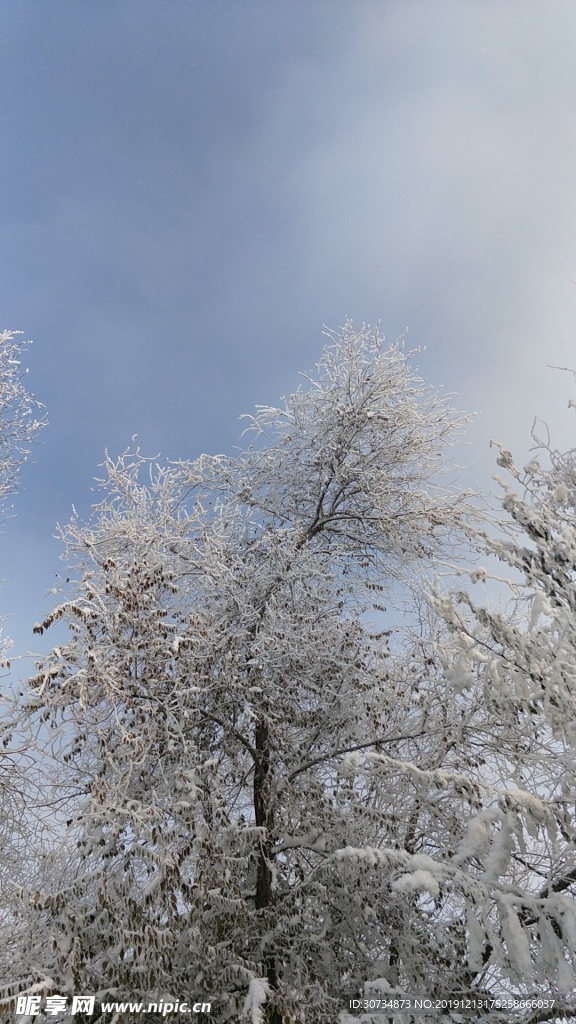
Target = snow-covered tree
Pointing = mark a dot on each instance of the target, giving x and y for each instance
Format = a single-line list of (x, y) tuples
[(519, 665), (19, 424), (18, 416), (20, 421), (272, 801)]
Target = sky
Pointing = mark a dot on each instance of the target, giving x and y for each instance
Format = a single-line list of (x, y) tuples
[(191, 189)]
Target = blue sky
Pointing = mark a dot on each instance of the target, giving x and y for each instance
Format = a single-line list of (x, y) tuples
[(189, 189)]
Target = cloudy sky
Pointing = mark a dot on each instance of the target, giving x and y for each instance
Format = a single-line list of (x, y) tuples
[(190, 189)]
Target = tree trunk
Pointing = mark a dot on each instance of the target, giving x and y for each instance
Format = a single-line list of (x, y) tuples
[(263, 816)]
